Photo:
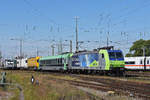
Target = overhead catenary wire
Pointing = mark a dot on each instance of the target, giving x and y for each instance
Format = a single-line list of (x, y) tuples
[(131, 12), (37, 11)]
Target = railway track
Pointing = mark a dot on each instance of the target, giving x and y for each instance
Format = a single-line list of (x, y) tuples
[(120, 86), (137, 74), (136, 89), (127, 73), (125, 87)]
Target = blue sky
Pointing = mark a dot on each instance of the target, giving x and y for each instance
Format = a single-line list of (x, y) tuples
[(38, 22)]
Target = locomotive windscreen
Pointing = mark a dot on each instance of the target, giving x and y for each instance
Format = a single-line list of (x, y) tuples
[(115, 55)]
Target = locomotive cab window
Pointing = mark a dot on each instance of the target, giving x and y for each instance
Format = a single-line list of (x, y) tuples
[(102, 55), (112, 55), (115, 55), (119, 55)]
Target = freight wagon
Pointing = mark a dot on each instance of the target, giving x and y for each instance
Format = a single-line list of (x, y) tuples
[(22, 63), (33, 63), (10, 64)]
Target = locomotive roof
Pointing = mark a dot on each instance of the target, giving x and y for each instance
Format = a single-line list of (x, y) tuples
[(86, 52), (114, 51), (37, 57)]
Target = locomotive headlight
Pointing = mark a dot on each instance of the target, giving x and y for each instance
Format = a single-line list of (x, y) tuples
[(122, 65)]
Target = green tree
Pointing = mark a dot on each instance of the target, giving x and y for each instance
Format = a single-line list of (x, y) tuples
[(137, 48)]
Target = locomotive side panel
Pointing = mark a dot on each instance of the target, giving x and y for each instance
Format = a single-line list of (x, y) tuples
[(85, 61)]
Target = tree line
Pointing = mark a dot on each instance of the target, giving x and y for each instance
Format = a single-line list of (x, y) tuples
[(138, 48)]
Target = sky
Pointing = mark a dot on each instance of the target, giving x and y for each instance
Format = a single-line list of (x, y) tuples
[(41, 23)]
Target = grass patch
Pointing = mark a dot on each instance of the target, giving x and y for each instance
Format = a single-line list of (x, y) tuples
[(48, 88)]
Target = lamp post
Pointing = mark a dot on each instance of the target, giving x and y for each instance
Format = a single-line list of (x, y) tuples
[(77, 45)]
